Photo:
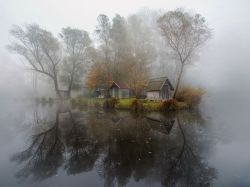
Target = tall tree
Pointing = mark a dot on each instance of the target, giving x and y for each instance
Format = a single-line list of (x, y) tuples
[(141, 54), (104, 59), (40, 49), (77, 46), (185, 33), (120, 46), (103, 31)]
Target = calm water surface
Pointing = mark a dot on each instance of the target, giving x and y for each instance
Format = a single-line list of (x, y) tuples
[(60, 146)]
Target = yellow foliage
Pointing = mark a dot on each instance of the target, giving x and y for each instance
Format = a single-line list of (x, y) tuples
[(97, 76), (191, 96)]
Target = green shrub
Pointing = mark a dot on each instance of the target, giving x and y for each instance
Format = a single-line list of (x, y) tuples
[(169, 105), (191, 96)]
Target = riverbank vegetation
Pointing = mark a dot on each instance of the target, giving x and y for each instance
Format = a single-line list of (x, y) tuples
[(187, 98)]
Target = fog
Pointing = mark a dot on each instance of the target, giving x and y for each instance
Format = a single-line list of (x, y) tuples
[(222, 67)]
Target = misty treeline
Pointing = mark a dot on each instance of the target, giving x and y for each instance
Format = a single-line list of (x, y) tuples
[(130, 50)]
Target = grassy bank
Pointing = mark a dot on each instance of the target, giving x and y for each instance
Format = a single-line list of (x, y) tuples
[(126, 104), (148, 105), (187, 98)]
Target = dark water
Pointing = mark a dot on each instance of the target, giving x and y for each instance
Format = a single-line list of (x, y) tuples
[(58, 146)]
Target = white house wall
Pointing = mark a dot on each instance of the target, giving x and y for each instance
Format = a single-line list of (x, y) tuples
[(154, 95)]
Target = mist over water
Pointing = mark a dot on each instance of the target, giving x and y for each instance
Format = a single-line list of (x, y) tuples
[(222, 69)]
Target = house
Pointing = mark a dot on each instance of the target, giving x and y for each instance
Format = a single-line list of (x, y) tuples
[(101, 90), (159, 89), (119, 90)]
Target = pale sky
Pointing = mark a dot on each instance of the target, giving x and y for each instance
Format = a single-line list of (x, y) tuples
[(224, 61)]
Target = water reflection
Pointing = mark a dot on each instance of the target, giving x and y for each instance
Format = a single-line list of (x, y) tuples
[(119, 146)]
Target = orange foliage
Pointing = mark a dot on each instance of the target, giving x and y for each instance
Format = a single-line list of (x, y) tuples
[(97, 76)]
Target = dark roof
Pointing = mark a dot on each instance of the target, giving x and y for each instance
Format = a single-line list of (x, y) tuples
[(157, 83), (120, 85)]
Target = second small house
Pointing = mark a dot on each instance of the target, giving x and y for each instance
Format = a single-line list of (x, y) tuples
[(119, 90), (159, 89)]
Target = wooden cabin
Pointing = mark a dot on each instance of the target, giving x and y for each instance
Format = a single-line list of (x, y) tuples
[(119, 90), (99, 91), (159, 89)]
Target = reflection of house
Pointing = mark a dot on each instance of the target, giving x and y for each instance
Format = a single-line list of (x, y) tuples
[(119, 90), (159, 88), (161, 126)]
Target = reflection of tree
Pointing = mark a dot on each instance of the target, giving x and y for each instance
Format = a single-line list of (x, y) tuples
[(120, 146), (186, 168), (129, 151), (83, 149), (44, 156), (136, 150)]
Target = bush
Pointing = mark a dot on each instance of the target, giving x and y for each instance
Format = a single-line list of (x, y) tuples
[(151, 106), (191, 96), (137, 106), (110, 103), (169, 105)]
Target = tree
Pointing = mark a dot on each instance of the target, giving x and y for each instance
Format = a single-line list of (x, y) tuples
[(103, 66), (97, 77), (120, 46), (103, 31), (137, 75), (141, 54), (185, 33), (40, 49), (77, 46)]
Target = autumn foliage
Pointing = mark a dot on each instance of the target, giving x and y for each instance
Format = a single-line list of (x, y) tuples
[(191, 96), (97, 76)]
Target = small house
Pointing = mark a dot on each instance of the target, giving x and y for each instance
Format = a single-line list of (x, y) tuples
[(159, 89), (119, 90), (101, 90)]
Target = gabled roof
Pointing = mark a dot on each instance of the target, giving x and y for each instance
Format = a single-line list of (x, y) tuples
[(120, 85), (156, 84)]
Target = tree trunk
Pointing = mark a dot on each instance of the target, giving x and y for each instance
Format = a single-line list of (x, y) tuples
[(71, 81), (178, 81), (58, 94), (70, 87)]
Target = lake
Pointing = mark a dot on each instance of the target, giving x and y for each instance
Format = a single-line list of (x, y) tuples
[(55, 145)]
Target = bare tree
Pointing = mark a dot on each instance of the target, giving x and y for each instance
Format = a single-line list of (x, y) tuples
[(184, 33), (77, 47), (40, 49)]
